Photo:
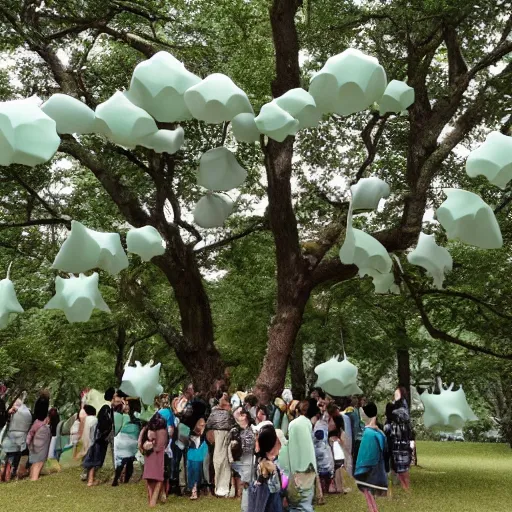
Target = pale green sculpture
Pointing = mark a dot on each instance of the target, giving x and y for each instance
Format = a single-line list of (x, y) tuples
[(367, 193), (216, 99), (77, 297), (85, 249), (434, 259), (142, 381), (244, 128), (70, 115), (123, 122), (466, 217), (158, 86), (449, 410), (275, 122), (8, 301), (397, 97), (219, 170), (27, 135), (338, 378), (212, 210), (493, 159), (146, 242), (383, 283), (300, 105), (348, 83), (164, 141)]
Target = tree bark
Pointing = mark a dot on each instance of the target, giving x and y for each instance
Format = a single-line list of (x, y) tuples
[(404, 371), (297, 373), (121, 345)]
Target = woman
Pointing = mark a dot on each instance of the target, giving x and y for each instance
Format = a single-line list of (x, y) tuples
[(261, 415), (126, 444), (152, 443), (53, 422), (398, 432), (197, 451), (38, 441), (372, 460)]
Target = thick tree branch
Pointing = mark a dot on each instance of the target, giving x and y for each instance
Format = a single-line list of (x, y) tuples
[(36, 222)]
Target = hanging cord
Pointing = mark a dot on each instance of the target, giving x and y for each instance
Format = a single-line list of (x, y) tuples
[(9, 270)]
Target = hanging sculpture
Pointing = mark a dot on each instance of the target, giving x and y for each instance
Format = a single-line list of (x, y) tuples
[(493, 159), (448, 410), (85, 249), (8, 301), (434, 259), (383, 283), (212, 210), (216, 99), (466, 217), (158, 86), (77, 297), (70, 115), (142, 381), (367, 193), (338, 378), (123, 122), (146, 242), (244, 128), (219, 170), (27, 135), (397, 97), (164, 141), (348, 83), (301, 106), (275, 122)]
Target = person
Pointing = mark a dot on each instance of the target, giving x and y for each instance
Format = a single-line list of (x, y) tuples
[(152, 443), (264, 494), (53, 422), (126, 445), (221, 422), (372, 460), (323, 453), (95, 456), (398, 432), (242, 441), (261, 414), (38, 441), (197, 452), (163, 406), (251, 404)]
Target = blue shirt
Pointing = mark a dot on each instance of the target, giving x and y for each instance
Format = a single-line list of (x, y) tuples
[(168, 416)]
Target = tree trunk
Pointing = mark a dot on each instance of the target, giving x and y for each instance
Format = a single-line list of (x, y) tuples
[(297, 372), (404, 371), (121, 344)]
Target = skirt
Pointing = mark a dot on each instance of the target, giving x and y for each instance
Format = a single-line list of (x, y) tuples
[(95, 456)]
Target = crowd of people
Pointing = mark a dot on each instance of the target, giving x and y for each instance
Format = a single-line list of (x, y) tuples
[(274, 455)]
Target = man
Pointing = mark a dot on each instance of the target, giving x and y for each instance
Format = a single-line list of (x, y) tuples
[(104, 434)]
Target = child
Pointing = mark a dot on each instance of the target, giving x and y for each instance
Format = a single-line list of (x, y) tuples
[(372, 463)]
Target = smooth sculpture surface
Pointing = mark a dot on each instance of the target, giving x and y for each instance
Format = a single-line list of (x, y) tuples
[(275, 122), (383, 283), (212, 210), (397, 97), (493, 159), (220, 170), (77, 297), (434, 259), (27, 135), (466, 217), (338, 378), (146, 242), (85, 249), (348, 83), (301, 106), (158, 86), (216, 99), (142, 381), (70, 115), (164, 141), (8, 302), (244, 128), (367, 193)]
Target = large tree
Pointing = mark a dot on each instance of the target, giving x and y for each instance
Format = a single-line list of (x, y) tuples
[(453, 54)]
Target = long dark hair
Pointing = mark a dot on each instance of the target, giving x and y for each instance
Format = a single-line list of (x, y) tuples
[(403, 392), (157, 422)]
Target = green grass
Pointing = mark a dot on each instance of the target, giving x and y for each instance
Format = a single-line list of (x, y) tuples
[(453, 477)]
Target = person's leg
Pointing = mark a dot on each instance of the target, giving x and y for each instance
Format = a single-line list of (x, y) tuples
[(35, 470), (156, 494), (117, 475), (404, 480), (90, 478), (370, 501), (129, 470), (149, 489)]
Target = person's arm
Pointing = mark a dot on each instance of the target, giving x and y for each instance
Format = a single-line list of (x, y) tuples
[(32, 431), (161, 440)]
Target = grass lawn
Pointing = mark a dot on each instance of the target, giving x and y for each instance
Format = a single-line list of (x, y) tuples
[(453, 477)]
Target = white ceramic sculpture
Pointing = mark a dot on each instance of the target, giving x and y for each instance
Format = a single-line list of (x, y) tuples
[(220, 170), (85, 249), (142, 381), (244, 128), (397, 97), (145, 242), (123, 122), (212, 210), (158, 86), (348, 83), (434, 259), (8, 302), (338, 378), (77, 297), (364, 251), (367, 193), (164, 141), (27, 135), (275, 122), (449, 410), (70, 114), (300, 105), (466, 217), (383, 283), (216, 99), (493, 159)]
